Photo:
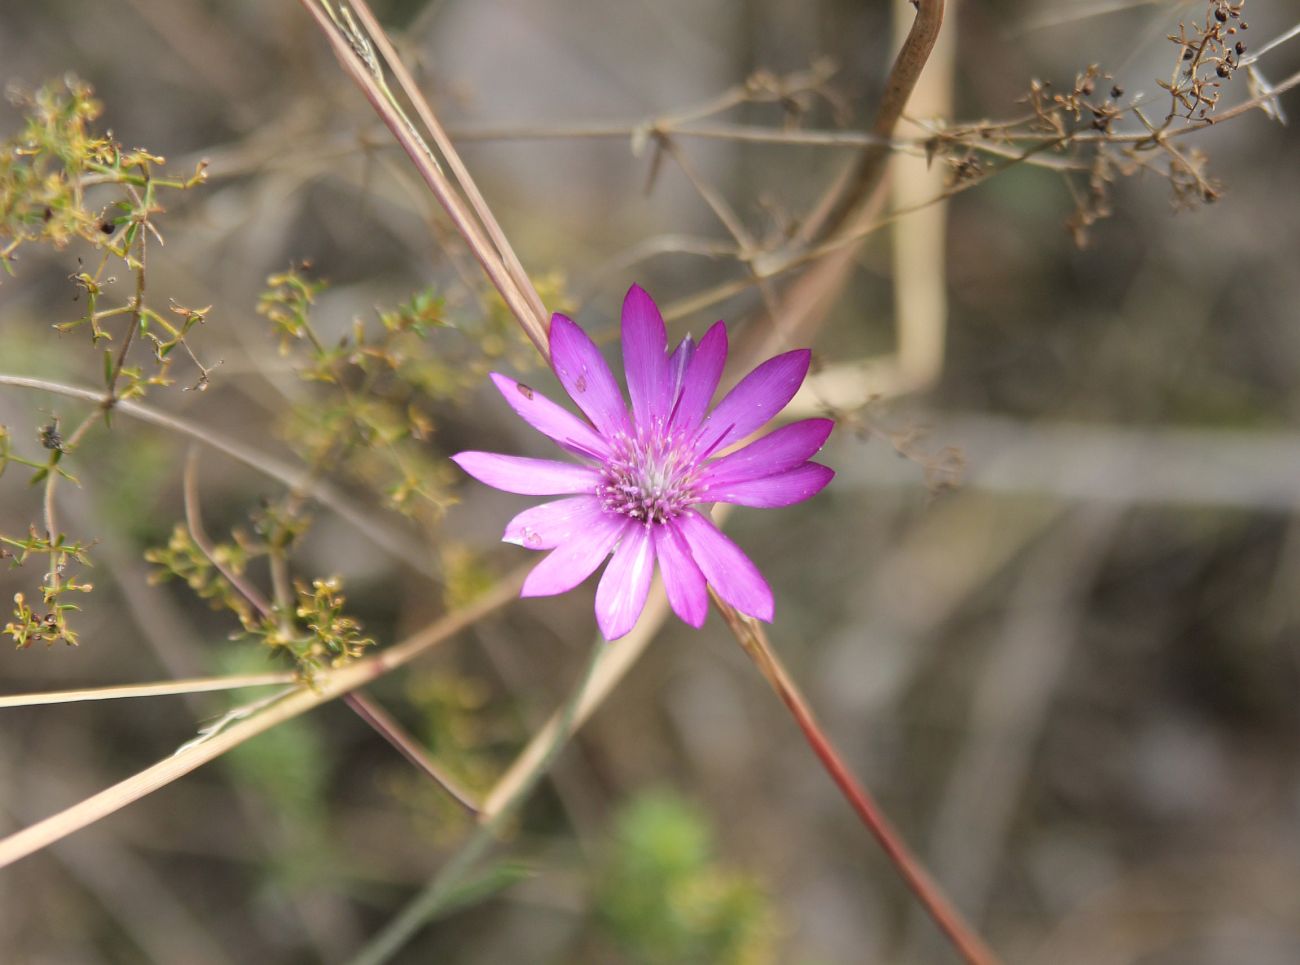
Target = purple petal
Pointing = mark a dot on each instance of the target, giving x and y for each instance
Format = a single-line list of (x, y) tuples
[(620, 598), (546, 526), (572, 562), (586, 377), (683, 580), (551, 420), (701, 379), (783, 489), (784, 449), (677, 364), (529, 477), (757, 398), (728, 570), (645, 358)]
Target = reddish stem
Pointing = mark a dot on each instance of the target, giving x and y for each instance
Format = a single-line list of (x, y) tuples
[(964, 938), (393, 732)]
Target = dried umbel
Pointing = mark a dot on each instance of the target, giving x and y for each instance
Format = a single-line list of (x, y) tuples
[(643, 474)]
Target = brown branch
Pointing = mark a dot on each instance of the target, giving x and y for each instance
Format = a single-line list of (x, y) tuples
[(390, 730), (753, 640), (842, 203)]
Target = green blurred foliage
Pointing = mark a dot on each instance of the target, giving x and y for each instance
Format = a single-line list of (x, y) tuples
[(469, 736), (663, 897), (288, 768)]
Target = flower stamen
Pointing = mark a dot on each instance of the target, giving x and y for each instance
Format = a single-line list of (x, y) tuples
[(650, 478)]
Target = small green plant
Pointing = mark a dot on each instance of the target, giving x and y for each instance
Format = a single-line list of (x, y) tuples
[(62, 183), (665, 898), (306, 623)]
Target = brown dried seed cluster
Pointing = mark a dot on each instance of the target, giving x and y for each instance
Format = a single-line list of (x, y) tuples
[(1208, 56)]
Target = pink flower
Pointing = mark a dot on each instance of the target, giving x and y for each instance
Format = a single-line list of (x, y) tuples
[(641, 475)]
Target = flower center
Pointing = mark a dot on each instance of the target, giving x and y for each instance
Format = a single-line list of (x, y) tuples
[(650, 478)]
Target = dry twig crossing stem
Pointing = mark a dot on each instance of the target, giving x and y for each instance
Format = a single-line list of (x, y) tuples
[(198, 533), (504, 249)]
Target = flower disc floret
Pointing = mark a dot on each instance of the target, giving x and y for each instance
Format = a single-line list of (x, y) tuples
[(650, 478)]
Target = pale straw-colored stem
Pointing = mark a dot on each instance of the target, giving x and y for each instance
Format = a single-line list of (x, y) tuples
[(327, 687), (612, 664), (163, 688), (439, 894), (429, 170), (452, 157)]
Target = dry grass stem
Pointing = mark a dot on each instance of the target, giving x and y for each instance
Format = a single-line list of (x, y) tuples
[(162, 688), (328, 686)]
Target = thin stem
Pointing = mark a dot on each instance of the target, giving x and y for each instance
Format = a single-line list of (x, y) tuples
[(443, 887), (780, 264), (842, 204), (194, 522), (754, 641), (612, 665), (328, 686), (725, 214), (282, 588), (458, 169), (297, 478), (437, 181), (390, 730), (137, 311), (1275, 42), (54, 577), (163, 688)]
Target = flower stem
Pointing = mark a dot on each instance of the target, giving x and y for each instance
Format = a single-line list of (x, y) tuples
[(964, 938)]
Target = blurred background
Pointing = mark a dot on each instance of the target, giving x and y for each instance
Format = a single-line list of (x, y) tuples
[(1047, 609)]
